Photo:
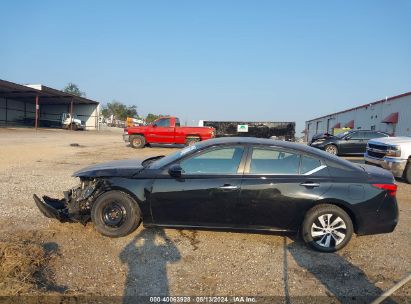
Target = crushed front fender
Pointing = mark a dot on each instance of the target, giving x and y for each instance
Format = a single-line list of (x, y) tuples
[(76, 204)]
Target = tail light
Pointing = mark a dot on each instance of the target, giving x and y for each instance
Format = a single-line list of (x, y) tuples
[(391, 188)]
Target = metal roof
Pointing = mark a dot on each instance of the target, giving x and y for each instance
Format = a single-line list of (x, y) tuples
[(46, 94), (364, 106)]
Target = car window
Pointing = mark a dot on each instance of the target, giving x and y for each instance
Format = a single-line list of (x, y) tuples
[(217, 161), (164, 122), (378, 135), (309, 163), (357, 135), (271, 161), (341, 135), (178, 122)]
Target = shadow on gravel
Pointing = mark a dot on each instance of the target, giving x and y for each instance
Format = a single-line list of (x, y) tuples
[(343, 280), (147, 256)]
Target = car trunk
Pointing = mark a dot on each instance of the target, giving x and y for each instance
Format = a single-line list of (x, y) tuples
[(377, 174)]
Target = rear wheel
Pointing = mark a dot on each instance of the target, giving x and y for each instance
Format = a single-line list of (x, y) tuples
[(115, 214), (192, 140), (137, 141), (332, 149), (327, 228)]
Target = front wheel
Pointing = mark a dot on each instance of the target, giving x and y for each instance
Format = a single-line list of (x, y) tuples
[(332, 149), (115, 214), (327, 228), (137, 141)]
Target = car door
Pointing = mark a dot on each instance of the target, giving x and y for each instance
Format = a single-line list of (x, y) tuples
[(206, 193), (354, 143), (278, 187), (161, 132)]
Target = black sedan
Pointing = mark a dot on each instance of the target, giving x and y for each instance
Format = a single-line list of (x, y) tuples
[(235, 183), (349, 142)]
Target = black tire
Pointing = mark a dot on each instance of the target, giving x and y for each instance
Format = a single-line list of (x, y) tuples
[(137, 141), (115, 214), (332, 149), (407, 172), (192, 140), (318, 232)]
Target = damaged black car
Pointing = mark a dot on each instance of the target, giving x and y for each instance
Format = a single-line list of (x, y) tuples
[(235, 183)]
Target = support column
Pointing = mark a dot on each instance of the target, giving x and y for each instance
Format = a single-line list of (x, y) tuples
[(71, 114), (6, 110), (36, 123)]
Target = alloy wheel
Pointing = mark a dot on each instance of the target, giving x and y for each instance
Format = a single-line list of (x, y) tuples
[(331, 149), (328, 230)]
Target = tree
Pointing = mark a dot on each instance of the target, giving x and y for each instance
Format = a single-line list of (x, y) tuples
[(119, 110), (151, 117), (72, 88)]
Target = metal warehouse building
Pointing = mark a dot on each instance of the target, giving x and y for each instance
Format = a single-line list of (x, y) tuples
[(41, 106), (391, 115)]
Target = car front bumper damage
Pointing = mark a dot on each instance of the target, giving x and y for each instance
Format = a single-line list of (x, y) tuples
[(76, 204)]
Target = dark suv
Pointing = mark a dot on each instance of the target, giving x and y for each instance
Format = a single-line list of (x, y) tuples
[(349, 142)]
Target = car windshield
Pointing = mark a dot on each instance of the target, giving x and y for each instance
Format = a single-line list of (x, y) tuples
[(341, 135), (156, 164)]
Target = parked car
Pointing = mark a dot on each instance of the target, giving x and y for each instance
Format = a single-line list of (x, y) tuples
[(235, 183), (391, 153), (349, 142), (166, 130)]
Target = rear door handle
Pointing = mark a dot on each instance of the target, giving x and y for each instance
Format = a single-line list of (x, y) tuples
[(229, 187), (310, 184)]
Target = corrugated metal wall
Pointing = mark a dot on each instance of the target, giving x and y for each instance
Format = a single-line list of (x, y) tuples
[(369, 117)]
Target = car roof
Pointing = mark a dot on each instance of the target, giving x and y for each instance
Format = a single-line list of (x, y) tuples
[(367, 131), (300, 147)]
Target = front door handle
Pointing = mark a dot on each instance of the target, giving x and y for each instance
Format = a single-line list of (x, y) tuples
[(229, 187), (310, 184)]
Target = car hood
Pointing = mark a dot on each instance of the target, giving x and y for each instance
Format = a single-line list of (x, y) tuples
[(323, 140), (117, 168), (391, 140)]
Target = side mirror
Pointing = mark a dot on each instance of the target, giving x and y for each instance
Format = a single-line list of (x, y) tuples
[(175, 170), (154, 126), (347, 138)]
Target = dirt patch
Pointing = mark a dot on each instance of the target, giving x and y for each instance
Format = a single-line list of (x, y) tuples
[(26, 267), (191, 236)]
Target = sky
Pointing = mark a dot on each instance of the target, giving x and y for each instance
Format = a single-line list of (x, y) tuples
[(216, 59)]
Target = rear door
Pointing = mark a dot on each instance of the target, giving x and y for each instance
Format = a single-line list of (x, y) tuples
[(278, 187)]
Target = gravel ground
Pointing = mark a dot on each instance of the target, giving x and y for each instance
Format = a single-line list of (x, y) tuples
[(180, 262)]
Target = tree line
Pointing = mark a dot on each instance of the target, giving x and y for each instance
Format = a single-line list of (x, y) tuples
[(116, 108)]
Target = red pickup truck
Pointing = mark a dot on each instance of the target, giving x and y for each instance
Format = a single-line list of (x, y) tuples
[(166, 130)]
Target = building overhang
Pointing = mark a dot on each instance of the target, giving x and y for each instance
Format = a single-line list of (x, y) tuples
[(350, 124), (391, 119)]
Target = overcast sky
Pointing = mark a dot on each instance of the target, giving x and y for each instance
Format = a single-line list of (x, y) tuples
[(213, 60)]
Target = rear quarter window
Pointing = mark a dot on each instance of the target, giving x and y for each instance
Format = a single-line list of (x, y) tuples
[(309, 163)]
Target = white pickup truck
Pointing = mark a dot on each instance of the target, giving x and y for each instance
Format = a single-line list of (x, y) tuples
[(391, 153)]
